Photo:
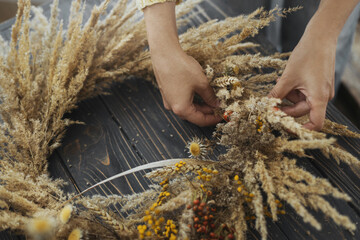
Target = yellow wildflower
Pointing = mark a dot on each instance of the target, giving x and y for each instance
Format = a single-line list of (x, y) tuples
[(196, 148), (75, 234), (65, 213), (41, 226)]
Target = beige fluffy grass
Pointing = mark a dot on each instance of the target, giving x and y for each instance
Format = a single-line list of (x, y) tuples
[(47, 68)]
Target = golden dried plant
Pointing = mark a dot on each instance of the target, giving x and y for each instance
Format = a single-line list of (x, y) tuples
[(46, 69)]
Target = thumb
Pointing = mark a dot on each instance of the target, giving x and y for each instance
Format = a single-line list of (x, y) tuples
[(281, 89), (208, 95)]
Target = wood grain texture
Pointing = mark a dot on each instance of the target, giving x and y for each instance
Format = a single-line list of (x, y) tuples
[(130, 127)]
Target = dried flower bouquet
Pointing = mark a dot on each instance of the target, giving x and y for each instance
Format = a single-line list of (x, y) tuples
[(46, 70)]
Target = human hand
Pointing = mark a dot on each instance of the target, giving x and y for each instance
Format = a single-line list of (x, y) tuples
[(179, 77), (308, 80)]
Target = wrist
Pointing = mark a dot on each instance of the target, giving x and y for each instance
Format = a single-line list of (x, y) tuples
[(164, 44), (161, 28), (318, 30), (164, 55), (329, 19)]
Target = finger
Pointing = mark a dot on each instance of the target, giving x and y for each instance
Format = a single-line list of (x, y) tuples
[(295, 96), (204, 108), (317, 116), (297, 110), (332, 93), (208, 95), (166, 104), (281, 89), (201, 119)]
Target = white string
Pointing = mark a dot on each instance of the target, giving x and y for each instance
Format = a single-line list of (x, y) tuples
[(157, 164)]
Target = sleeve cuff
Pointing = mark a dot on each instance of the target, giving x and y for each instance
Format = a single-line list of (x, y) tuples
[(141, 4)]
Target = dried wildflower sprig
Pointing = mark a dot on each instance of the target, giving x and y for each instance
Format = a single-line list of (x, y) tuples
[(52, 69), (112, 221), (197, 148), (265, 162)]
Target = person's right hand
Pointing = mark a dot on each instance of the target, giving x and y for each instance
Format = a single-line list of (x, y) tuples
[(179, 77)]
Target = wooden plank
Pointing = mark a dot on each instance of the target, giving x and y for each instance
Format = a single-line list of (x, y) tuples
[(138, 107), (7, 235), (345, 177), (58, 169), (108, 144), (100, 149)]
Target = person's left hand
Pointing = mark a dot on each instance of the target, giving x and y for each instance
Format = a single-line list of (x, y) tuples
[(308, 80)]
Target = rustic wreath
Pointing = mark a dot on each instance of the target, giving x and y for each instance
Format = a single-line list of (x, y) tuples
[(45, 71)]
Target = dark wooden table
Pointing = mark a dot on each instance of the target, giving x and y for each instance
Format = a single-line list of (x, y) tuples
[(130, 127)]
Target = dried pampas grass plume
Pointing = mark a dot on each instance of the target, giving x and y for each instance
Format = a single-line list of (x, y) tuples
[(46, 68)]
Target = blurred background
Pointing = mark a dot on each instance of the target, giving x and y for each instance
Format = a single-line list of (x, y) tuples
[(8, 8), (347, 99)]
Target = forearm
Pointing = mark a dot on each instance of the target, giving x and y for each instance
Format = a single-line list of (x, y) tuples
[(329, 19), (161, 28)]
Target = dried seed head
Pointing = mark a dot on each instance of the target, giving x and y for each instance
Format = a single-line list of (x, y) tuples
[(75, 234), (65, 213), (40, 227)]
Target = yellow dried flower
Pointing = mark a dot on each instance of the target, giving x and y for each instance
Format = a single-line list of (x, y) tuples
[(40, 226), (65, 213), (259, 124), (196, 148), (141, 229), (75, 234)]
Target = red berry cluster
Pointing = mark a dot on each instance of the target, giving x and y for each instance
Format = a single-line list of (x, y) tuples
[(204, 222)]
